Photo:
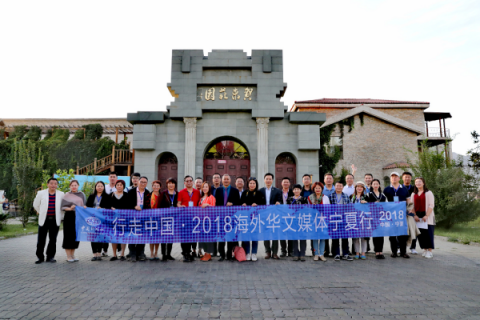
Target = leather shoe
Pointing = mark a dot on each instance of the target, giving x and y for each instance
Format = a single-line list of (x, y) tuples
[(39, 261), (221, 259), (275, 257), (51, 260), (283, 255), (268, 256)]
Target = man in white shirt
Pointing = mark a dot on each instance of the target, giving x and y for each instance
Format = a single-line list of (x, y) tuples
[(112, 178), (349, 189)]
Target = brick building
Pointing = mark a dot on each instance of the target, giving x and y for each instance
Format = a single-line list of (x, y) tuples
[(390, 129)]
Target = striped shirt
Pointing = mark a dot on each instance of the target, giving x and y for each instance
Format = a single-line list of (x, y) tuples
[(51, 205)]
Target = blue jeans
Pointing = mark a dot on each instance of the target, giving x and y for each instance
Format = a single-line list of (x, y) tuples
[(319, 247), (246, 246)]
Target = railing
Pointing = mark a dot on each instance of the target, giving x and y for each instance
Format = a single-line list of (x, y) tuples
[(437, 132), (99, 165)]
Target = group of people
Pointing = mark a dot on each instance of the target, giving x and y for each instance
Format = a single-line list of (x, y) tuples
[(53, 205)]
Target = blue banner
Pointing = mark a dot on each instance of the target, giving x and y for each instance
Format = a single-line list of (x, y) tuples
[(218, 224)]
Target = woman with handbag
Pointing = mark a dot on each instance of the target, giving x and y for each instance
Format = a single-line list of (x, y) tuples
[(251, 197), (423, 204), (317, 197), (206, 200), (168, 199)]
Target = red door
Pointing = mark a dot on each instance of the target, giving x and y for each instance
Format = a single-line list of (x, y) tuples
[(285, 167), (167, 168), (226, 156), (234, 167)]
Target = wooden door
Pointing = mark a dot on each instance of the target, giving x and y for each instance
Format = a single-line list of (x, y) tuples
[(285, 167), (167, 168)]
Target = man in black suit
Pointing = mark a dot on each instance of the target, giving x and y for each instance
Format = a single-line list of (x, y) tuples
[(226, 196), (216, 179), (286, 193), (272, 196), (136, 197)]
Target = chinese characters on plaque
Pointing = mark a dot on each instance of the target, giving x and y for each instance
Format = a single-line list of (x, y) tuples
[(227, 93)]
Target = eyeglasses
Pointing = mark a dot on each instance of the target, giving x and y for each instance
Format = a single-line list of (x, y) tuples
[(188, 180), (252, 178)]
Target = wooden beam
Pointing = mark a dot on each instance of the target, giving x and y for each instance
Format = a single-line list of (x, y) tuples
[(440, 122), (129, 170), (95, 165), (444, 129), (113, 155), (116, 135)]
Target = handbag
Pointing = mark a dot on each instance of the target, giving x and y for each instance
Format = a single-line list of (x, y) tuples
[(421, 214), (239, 254)]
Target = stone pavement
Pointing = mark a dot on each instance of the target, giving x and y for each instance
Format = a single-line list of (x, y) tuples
[(445, 287)]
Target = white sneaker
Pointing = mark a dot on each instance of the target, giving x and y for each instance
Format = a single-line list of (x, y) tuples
[(249, 257), (429, 255), (424, 253), (413, 251), (254, 257)]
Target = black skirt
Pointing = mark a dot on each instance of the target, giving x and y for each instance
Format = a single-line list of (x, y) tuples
[(69, 232)]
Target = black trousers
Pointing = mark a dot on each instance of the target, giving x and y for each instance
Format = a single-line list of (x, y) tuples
[(299, 247), (166, 249), (378, 244), (424, 239), (273, 249), (398, 242), (284, 244), (97, 247), (50, 227), (105, 247), (187, 248), (230, 246), (215, 249), (336, 246), (136, 250)]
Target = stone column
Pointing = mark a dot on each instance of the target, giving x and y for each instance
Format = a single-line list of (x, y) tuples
[(190, 145), (262, 149)]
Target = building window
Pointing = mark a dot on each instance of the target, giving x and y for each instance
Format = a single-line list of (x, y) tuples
[(333, 144), (386, 181)]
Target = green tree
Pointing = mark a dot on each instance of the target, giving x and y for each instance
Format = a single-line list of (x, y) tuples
[(93, 131), (27, 171), (63, 176), (18, 132), (327, 162), (451, 185), (474, 153), (34, 134)]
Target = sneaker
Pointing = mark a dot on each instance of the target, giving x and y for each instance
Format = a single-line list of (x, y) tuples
[(348, 257), (413, 251), (424, 253), (429, 255), (249, 257), (356, 257), (337, 258), (363, 257), (254, 257), (104, 254), (315, 258), (322, 258)]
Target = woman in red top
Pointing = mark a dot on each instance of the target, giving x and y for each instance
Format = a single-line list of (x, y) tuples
[(207, 200), (423, 203), (152, 201)]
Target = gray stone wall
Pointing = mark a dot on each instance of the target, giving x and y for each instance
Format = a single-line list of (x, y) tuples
[(374, 145)]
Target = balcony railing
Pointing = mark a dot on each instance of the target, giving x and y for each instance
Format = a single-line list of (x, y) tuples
[(437, 132)]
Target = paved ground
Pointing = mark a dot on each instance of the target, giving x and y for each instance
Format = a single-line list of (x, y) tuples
[(446, 287)]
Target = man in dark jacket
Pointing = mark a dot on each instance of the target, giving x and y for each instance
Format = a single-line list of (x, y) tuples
[(136, 197), (226, 195), (273, 196)]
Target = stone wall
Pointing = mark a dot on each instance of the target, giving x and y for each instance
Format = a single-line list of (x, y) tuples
[(374, 145), (415, 116)]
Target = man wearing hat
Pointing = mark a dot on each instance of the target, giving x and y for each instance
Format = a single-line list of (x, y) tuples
[(397, 193)]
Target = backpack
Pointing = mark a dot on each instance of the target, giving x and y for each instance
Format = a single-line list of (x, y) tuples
[(239, 254)]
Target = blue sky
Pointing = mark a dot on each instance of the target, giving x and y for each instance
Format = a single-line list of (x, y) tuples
[(107, 58)]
